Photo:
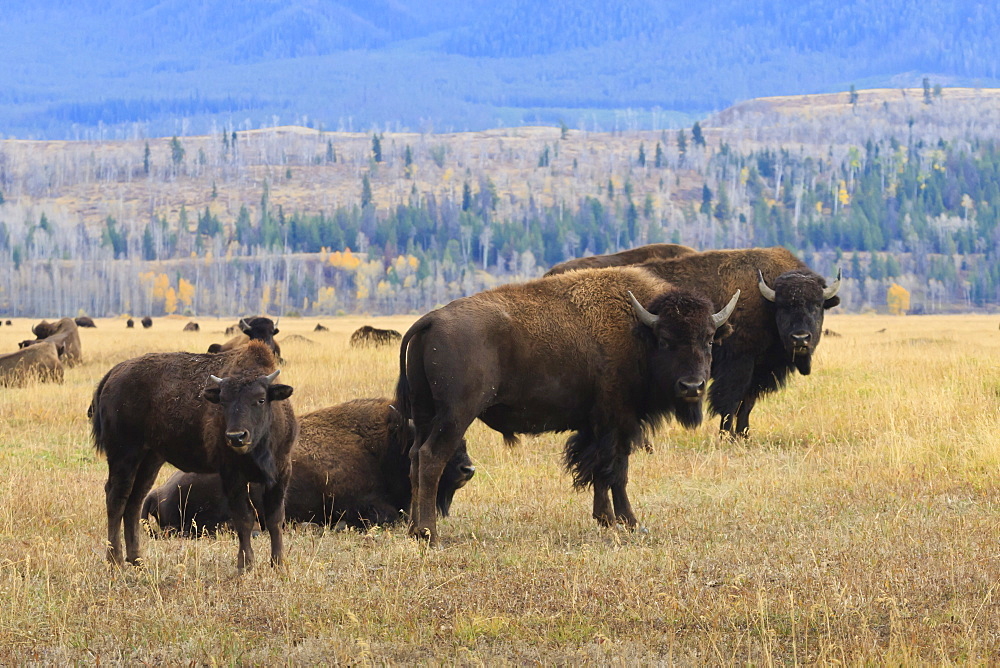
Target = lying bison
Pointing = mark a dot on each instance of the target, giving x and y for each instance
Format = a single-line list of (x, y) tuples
[(350, 465), (192, 327), (147, 322), (36, 362), (64, 334), (320, 327), (370, 336), (574, 352), (253, 329), (202, 413), (84, 321), (623, 258)]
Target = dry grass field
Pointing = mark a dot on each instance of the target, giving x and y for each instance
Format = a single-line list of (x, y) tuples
[(860, 524)]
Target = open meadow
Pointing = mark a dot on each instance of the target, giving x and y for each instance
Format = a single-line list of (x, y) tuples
[(860, 523)]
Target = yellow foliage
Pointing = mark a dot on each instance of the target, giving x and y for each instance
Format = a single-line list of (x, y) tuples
[(265, 299), (344, 260), (898, 299), (744, 176), (185, 292), (842, 195), (414, 262), (448, 173), (161, 283), (170, 301), (383, 289)]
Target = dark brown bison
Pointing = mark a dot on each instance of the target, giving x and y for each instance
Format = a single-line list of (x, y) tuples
[(84, 321), (370, 336), (130, 323), (321, 328), (147, 322), (64, 334), (350, 465), (252, 329), (202, 413), (192, 327), (39, 361), (777, 325), (574, 352), (622, 258), (8, 323)]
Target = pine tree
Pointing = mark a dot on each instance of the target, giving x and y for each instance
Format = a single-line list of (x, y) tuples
[(145, 160), (376, 148), (176, 151), (658, 159), (366, 191), (642, 155), (682, 144), (696, 136)]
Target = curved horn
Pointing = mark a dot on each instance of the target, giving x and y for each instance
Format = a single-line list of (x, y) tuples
[(831, 291), (644, 316), (764, 289), (244, 325), (270, 377), (215, 378), (719, 319), (276, 322)]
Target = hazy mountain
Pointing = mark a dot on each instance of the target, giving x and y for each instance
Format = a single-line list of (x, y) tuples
[(148, 67)]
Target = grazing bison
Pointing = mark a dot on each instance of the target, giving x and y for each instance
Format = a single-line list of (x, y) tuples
[(350, 465), (130, 323), (253, 329), (623, 258), (321, 328), (202, 413), (84, 321), (39, 361), (777, 325), (147, 322), (574, 352), (370, 336), (192, 327), (64, 334)]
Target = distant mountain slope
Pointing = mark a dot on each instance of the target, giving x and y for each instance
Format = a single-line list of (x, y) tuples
[(164, 67)]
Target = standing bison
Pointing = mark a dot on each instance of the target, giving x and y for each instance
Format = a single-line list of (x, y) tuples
[(64, 334), (202, 413), (350, 465), (622, 258), (777, 325), (574, 352), (252, 329), (39, 361), (371, 336), (147, 322)]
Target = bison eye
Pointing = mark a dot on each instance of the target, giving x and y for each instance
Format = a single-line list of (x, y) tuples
[(261, 401)]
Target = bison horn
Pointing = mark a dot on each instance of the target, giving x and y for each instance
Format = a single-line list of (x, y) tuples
[(215, 379), (244, 325), (764, 289), (644, 316), (270, 377), (831, 291), (719, 319)]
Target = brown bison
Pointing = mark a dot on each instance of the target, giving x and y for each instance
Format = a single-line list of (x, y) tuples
[(252, 329), (192, 327), (371, 336), (350, 465), (320, 327), (622, 258), (64, 334), (574, 352), (147, 322), (130, 323), (202, 413), (35, 362), (84, 321), (777, 325)]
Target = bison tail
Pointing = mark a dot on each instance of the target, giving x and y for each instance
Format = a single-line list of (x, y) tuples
[(402, 399), (590, 458), (94, 413)]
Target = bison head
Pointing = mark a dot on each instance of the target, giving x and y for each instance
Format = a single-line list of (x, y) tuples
[(44, 329), (246, 409), (261, 329), (684, 326), (457, 472), (800, 298)]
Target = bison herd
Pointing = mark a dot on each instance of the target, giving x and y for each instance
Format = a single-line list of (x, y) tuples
[(604, 347)]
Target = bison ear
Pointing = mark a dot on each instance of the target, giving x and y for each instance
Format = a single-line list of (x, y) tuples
[(278, 392), (831, 302), (212, 394), (276, 330), (722, 332)]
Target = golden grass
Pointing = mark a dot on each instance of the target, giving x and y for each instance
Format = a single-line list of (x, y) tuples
[(859, 525)]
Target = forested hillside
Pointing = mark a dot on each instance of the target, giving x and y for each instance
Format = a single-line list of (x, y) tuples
[(158, 67), (897, 187)]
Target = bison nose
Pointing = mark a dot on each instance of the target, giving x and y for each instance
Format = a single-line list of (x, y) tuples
[(238, 438), (800, 339), (690, 387)]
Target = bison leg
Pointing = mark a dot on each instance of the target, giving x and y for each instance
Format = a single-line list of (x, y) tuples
[(145, 476), (427, 463), (616, 481), (122, 470), (743, 416), (274, 517), (603, 511), (238, 495)]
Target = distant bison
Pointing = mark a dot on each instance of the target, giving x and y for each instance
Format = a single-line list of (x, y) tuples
[(84, 321), (575, 352), (370, 336), (64, 334), (350, 465), (253, 329), (622, 258), (147, 322), (191, 327), (130, 323), (201, 413), (321, 328), (36, 362), (8, 323)]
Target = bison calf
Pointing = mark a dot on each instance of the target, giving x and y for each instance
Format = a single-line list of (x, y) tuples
[(202, 413), (351, 465)]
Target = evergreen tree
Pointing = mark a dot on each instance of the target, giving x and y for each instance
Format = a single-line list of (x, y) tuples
[(658, 159), (696, 136), (682, 145), (176, 151), (331, 155), (927, 90), (376, 148), (145, 160), (706, 199), (366, 191), (642, 155)]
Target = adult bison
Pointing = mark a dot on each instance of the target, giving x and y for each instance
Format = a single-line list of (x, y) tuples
[(202, 413), (130, 323), (777, 325), (252, 329), (147, 322), (64, 334), (622, 258), (371, 336), (84, 321), (192, 327), (574, 352), (39, 361), (350, 465)]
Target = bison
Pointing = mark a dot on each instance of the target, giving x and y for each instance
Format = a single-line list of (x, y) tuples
[(320, 327), (202, 413), (777, 325), (574, 352), (622, 258), (84, 321), (39, 361), (192, 327), (253, 329), (7, 322), (147, 322), (350, 465), (371, 336), (64, 334), (130, 323)]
